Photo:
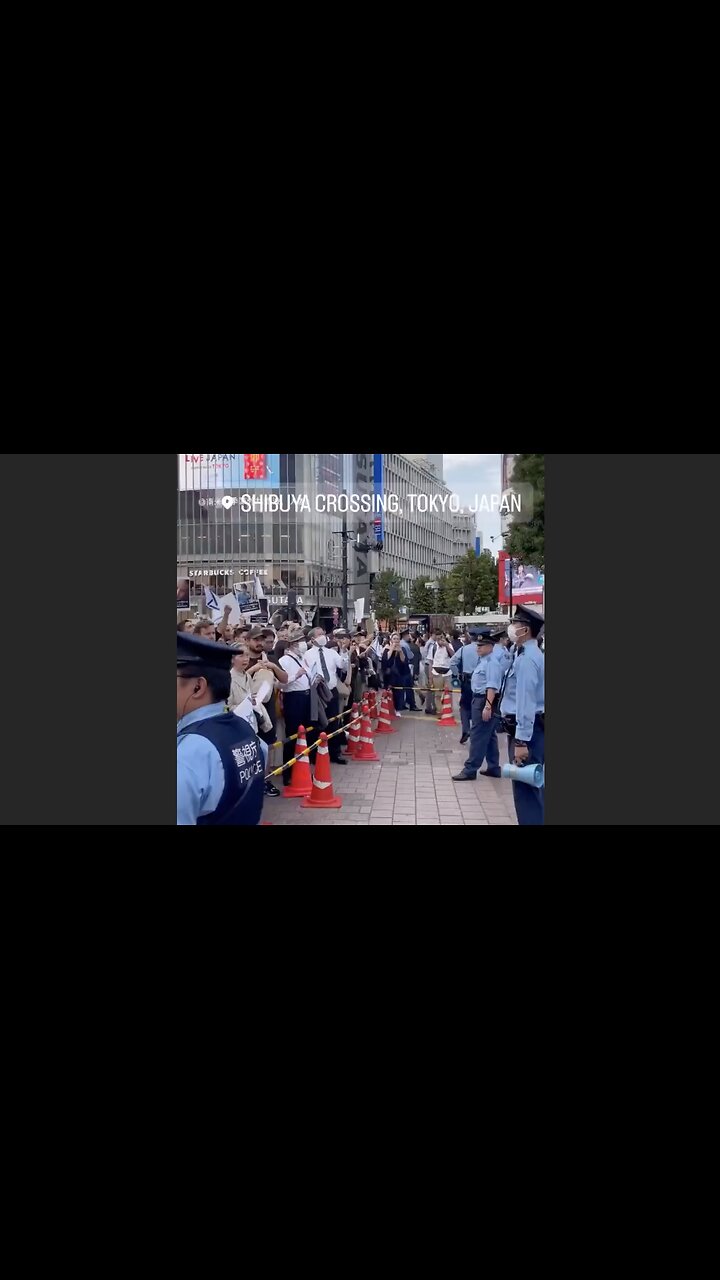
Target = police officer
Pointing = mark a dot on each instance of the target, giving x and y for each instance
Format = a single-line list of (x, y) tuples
[(484, 683), (523, 707), (462, 665), (501, 648), (220, 759)]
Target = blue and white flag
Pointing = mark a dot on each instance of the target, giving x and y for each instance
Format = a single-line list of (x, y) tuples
[(211, 600)]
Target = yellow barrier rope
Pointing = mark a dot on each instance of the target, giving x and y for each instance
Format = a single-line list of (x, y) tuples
[(414, 688), (308, 727), (306, 751)]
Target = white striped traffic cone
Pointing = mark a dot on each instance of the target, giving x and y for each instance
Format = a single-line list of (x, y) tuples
[(367, 746), (301, 780), (354, 741), (447, 720), (383, 724), (322, 793)]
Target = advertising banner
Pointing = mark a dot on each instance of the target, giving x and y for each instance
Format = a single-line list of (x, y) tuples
[(378, 522), (527, 581), (183, 593), (228, 471)]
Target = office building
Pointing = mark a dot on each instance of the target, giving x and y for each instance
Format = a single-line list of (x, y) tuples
[(296, 554), (432, 460), (416, 542), (288, 551), (463, 532)]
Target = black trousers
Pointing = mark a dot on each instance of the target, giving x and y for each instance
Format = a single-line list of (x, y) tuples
[(296, 712), (331, 710)]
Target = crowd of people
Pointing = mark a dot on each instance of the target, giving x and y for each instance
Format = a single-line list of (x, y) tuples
[(301, 675)]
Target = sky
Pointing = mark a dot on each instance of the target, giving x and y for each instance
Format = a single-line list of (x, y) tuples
[(468, 474)]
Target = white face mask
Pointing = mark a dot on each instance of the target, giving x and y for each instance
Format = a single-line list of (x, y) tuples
[(302, 646), (321, 641), (512, 634)]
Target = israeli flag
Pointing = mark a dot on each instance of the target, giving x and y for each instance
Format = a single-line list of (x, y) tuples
[(211, 600)]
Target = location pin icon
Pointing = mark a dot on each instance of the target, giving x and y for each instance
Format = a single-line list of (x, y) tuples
[(227, 501)]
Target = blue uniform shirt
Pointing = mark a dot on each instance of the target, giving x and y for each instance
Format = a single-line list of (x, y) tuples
[(200, 773), (503, 656), (487, 675), (530, 668), (469, 660), (509, 698)]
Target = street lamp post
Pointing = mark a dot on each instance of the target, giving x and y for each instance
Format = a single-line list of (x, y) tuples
[(347, 537)]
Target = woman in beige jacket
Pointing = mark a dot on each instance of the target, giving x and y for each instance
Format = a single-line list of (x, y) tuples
[(243, 686)]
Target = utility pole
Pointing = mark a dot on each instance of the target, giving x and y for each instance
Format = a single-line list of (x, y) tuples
[(346, 621)]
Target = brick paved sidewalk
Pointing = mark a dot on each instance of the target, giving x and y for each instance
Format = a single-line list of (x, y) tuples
[(410, 786)]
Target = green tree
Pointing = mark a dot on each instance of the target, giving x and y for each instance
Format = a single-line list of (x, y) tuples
[(463, 581), (385, 607), (472, 583), (526, 541), (422, 598), (487, 581), (441, 594)]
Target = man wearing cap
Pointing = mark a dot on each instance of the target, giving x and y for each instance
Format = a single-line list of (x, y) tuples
[(485, 682), (524, 705), (462, 665), (220, 759)]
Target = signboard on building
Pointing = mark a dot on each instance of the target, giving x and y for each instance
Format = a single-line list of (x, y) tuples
[(362, 483), (378, 524), (228, 471), (527, 581)]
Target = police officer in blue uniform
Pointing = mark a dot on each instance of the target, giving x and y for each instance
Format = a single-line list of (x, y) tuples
[(462, 665), (220, 759), (523, 710), (501, 648), (485, 683)]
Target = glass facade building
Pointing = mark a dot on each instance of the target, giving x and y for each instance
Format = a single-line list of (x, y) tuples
[(299, 551), (415, 542), (288, 550)]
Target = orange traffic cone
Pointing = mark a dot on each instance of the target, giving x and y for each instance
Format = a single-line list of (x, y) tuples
[(301, 784), (372, 704), (367, 746), (354, 727), (322, 788), (447, 719), (383, 724)]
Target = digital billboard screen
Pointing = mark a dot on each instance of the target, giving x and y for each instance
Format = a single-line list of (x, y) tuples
[(527, 581), (228, 471)]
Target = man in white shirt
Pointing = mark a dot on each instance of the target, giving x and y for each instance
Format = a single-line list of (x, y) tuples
[(425, 680), (322, 663)]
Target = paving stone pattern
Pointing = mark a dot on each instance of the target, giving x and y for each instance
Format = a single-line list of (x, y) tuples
[(410, 786)]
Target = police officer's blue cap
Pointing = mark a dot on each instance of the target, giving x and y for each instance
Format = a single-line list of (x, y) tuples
[(483, 636), (197, 657), (497, 635), (531, 618)]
